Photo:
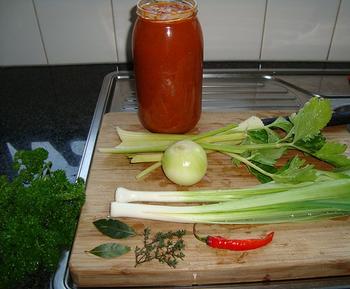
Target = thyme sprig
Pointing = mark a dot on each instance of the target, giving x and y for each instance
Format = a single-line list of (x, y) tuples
[(166, 247)]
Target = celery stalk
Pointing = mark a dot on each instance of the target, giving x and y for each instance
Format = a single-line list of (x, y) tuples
[(148, 170), (145, 158)]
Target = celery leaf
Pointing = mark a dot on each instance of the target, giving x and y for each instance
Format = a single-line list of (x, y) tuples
[(282, 123), (294, 172), (268, 156), (272, 136), (258, 136), (333, 153), (261, 177), (311, 145), (314, 116)]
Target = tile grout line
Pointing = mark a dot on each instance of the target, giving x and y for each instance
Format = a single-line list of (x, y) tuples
[(40, 32), (114, 31), (263, 31), (333, 30)]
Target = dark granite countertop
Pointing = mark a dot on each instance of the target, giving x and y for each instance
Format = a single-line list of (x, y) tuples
[(50, 107)]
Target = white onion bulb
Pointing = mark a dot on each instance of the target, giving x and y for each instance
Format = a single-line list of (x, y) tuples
[(185, 163)]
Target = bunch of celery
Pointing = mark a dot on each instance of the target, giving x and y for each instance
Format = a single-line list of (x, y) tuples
[(148, 147), (251, 143)]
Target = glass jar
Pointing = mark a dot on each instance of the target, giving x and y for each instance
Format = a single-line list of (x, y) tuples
[(168, 64)]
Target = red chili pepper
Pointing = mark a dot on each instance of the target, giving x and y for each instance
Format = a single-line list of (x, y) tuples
[(235, 244)]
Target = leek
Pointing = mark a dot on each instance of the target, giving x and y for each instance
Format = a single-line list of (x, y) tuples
[(301, 202), (124, 195)]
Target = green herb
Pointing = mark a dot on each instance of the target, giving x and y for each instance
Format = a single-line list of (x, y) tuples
[(39, 211), (313, 117), (110, 250), (295, 172), (114, 228), (262, 175), (165, 247), (281, 123), (261, 152), (333, 153)]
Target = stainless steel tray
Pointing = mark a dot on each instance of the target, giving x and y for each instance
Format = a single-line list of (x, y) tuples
[(222, 90)]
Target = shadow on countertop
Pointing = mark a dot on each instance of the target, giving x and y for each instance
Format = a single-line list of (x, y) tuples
[(50, 107)]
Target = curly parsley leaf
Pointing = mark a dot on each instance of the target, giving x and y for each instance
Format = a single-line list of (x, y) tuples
[(39, 211)]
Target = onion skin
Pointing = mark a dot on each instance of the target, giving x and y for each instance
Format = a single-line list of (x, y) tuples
[(185, 163)]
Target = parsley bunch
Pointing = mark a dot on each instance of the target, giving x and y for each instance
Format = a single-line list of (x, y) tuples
[(39, 210)]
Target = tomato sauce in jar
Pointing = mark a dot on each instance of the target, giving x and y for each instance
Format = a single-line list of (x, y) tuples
[(168, 65)]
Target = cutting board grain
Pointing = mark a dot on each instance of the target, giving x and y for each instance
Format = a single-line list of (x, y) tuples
[(298, 250)]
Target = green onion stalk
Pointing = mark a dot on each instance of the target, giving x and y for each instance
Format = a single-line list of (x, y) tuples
[(268, 204)]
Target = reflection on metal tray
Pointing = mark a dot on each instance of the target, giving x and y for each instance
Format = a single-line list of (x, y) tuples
[(330, 86), (334, 87), (224, 91)]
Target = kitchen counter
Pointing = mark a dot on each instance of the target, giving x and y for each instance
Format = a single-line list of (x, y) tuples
[(50, 107)]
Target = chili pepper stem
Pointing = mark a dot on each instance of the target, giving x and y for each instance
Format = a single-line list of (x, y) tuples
[(202, 239)]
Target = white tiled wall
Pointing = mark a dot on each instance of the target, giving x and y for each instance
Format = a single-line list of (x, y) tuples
[(99, 31), (340, 48), (232, 29), (124, 15), (20, 41), (298, 29), (78, 31)]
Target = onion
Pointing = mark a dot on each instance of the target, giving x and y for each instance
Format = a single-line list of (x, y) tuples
[(184, 163)]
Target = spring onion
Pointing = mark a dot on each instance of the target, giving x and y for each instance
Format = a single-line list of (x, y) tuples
[(270, 203), (124, 195)]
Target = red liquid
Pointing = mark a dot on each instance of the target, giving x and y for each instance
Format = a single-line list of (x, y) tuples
[(168, 57)]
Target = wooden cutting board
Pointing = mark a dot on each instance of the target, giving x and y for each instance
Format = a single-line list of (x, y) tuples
[(300, 250)]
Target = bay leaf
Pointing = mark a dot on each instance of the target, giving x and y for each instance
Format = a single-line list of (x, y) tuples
[(114, 228), (110, 250)]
